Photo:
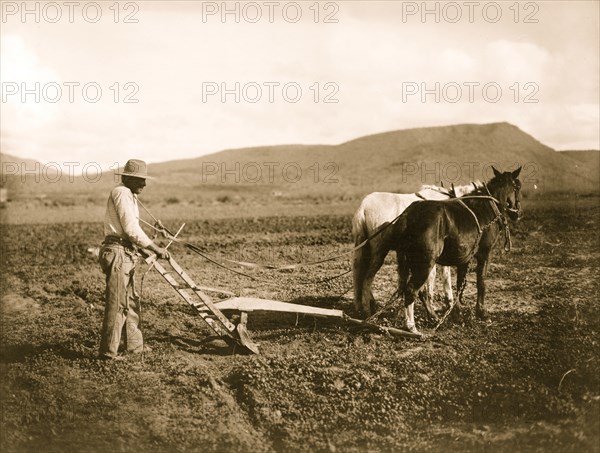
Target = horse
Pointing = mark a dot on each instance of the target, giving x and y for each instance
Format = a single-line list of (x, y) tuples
[(451, 233), (376, 211)]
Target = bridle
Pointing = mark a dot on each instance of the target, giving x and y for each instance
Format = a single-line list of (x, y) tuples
[(499, 216)]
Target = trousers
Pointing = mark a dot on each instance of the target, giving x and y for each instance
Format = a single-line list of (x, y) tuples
[(122, 304)]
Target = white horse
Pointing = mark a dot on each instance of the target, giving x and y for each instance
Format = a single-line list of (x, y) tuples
[(375, 212)]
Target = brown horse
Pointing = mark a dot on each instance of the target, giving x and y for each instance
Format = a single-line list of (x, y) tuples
[(451, 233), (376, 211)]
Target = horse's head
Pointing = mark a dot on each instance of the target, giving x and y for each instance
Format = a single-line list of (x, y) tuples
[(506, 188)]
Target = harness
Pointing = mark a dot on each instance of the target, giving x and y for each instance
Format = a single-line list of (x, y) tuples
[(472, 213), (443, 191), (498, 217)]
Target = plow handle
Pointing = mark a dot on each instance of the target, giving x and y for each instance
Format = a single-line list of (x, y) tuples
[(150, 256)]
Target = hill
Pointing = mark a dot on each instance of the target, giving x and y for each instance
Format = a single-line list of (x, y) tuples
[(397, 161), (589, 160), (394, 161), (7, 160)]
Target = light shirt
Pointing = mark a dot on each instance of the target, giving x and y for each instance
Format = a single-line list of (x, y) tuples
[(122, 217)]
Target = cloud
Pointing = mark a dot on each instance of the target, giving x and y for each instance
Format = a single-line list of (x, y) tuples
[(20, 70), (510, 61), (368, 55)]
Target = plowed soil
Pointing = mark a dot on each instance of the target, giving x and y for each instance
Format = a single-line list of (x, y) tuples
[(526, 380)]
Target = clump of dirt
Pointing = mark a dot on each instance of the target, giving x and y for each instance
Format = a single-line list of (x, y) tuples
[(15, 304)]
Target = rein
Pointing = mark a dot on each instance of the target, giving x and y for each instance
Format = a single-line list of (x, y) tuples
[(502, 218), (472, 213), (198, 251), (498, 217)]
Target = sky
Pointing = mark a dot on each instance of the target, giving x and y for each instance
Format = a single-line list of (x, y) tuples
[(106, 81)]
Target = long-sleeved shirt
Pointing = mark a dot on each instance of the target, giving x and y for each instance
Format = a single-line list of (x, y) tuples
[(122, 217)]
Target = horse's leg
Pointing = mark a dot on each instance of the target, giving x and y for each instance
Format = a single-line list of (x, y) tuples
[(431, 281), (376, 258), (461, 283), (428, 294), (409, 310), (482, 266), (403, 272), (447, 280), (419, 271), (429, 288), (358, 275)]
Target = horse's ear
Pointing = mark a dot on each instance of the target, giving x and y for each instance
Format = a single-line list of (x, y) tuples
[(442, 184), (496, 172), (515, 174)]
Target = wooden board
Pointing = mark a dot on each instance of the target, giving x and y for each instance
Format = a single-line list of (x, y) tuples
[(248, 304)]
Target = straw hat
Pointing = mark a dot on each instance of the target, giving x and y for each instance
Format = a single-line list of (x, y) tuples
[(135, 168)]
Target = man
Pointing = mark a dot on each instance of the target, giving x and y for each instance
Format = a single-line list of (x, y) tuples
[(118, 258)]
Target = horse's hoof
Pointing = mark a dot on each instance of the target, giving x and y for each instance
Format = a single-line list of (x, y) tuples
[(413, 329), (364, 314), (482, 315), (456, 313), (434, 317)]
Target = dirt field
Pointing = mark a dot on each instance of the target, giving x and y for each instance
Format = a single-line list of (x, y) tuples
[(527, 380)]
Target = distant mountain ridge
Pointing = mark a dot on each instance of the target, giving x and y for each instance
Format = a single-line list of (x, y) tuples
[(7, 161), (403, 160), (397, 161)]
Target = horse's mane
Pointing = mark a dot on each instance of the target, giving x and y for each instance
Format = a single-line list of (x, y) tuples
[(459, 191), (485, 188)]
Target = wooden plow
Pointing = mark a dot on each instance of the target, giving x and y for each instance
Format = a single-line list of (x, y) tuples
[(204, 306), (212, 312)]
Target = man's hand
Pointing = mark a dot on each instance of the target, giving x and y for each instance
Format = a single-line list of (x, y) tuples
[(159, 226), (160, 252), (163, 253)]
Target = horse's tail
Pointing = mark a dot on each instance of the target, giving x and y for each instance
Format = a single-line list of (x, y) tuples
[(360, 233), (359, 226)]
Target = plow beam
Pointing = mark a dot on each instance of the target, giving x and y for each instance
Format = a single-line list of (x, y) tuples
[(250, 304)]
